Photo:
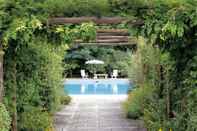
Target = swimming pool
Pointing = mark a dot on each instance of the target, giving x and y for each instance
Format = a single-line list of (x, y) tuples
[(97, 86)]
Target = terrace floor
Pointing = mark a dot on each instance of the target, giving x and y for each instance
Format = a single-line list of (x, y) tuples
[(95, 113)]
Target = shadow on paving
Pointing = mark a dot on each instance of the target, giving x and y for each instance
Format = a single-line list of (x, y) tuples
[(95, 113)]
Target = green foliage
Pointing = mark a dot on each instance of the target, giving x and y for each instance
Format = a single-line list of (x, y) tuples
[(114, 58), (144, 62), (144, 74), (171, 26), (33, 58), (128, 7), (39, 76), (4, 118), (190, 85), (134, 106), (72, 8), (87, 32), (35, 119), (149, 72), (84, 32), (155, 114), (65, 100), (21, 28)]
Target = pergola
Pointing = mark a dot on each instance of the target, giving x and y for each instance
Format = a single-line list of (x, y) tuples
[(112, 37), (103, 37)]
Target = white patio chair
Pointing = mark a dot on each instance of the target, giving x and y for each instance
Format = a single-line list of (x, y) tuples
[(115, 74), (83, 74), (95, 76)]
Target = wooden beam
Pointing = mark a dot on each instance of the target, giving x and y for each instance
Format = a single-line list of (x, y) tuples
[(112, 41), (78, 20), (112, 34), (112, 31), (77, 45), (103, 44), (105, 41), (132, 42), (128, 40), (111, 37)]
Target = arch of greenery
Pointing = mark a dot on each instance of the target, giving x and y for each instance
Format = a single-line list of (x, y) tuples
[(168, 25)]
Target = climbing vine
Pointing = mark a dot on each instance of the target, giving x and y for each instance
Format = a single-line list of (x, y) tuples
[(4, 118), (33, 55), (171, 26), (33, 64), (85, 32)]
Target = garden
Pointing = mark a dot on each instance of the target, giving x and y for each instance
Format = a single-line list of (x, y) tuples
[(36, 54)]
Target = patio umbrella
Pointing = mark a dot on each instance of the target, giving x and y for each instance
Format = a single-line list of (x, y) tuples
[(96, 62)]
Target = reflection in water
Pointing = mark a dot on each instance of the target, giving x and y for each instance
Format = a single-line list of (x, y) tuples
[(83, 88), (115, 88), (99, 89)]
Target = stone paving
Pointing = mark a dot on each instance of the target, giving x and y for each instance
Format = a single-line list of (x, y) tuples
[(95, 113)]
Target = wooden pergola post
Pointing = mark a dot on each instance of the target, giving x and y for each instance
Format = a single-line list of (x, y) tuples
[(1, 75)]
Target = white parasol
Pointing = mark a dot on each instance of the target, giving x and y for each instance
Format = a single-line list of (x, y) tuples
[(94, 62)]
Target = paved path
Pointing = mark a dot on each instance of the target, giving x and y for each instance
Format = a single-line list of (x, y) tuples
[(95, 113)]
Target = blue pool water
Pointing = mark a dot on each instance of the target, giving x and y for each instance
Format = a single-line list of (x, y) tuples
[(97, 87)]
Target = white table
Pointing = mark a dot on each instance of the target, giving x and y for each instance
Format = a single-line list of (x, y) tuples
[(100, 75)]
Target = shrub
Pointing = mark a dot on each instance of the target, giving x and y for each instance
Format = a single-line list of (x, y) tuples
[(35, 119), (39, 76), (5, 120), (65, 100), (134, 106)]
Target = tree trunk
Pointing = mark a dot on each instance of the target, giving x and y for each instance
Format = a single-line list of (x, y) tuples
[(14, 93), (1, 76), (14, 99), (14, 104), (14, 120), (167, 98)]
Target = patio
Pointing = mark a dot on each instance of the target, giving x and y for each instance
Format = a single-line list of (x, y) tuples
[(95, 113)]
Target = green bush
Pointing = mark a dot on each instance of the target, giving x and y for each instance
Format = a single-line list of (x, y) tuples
[(35, 119), (39, 76), (134, 106), (77, 7), (4, 118), (65, 100)]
